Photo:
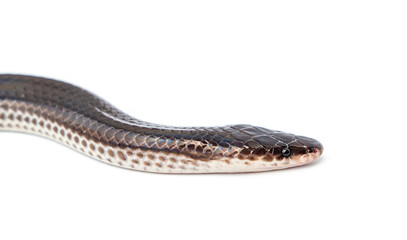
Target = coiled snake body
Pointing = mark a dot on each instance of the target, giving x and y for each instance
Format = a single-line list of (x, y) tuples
[(85, 122)]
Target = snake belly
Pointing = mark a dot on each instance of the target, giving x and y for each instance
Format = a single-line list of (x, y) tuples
[(81, 120)]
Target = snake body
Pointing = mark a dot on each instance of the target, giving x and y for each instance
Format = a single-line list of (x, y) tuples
[(87, 123)]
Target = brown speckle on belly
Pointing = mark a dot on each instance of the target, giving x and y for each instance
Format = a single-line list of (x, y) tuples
[(101, 150), (110, 152), (121, 155)]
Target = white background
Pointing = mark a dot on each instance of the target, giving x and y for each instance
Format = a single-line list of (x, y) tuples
[(331, 70)]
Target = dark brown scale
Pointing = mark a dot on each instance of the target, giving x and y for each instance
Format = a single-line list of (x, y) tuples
[(93, 118)]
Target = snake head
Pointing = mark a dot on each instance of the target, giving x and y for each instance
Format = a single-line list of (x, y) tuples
[(301, 150), (261, 149)]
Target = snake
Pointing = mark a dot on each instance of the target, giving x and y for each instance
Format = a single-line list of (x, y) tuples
[(85, 122)]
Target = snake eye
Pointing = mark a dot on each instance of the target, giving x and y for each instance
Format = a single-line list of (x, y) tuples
[(286, 152)]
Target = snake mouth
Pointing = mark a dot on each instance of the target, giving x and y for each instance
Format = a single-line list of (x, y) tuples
[(306, 158), (317, 153)]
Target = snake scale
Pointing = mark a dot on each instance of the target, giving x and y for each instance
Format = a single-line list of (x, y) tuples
[(86, 123)]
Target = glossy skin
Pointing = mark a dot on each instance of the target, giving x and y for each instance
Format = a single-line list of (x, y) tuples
[(213, 149)]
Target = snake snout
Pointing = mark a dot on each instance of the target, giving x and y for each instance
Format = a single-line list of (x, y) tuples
[(306, 150), (315, 150), (318, 148)]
